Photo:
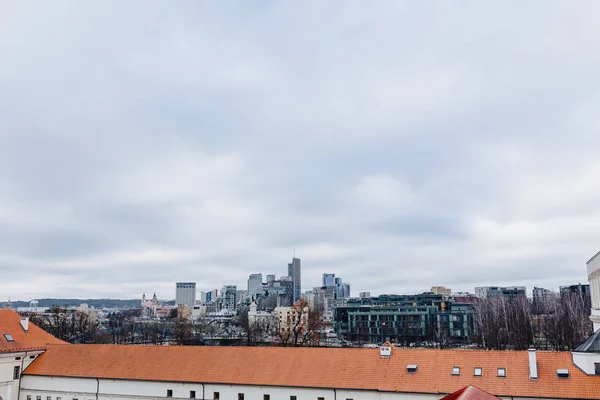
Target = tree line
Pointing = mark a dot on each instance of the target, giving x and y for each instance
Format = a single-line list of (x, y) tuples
[(559, 322)]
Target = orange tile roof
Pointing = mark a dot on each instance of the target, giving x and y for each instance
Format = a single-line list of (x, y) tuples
[(35, 339), (323, 368)]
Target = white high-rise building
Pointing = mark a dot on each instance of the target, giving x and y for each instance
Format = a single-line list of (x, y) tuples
[(185, 293), (593, 270)]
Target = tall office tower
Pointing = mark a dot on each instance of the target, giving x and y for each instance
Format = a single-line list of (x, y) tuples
[(328, 280), (294, 271), (185, 293), (254, 285), (270, 279)]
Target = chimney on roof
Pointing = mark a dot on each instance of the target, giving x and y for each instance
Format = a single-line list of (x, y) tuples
[(25, 323), (533, 371), (385, 350)]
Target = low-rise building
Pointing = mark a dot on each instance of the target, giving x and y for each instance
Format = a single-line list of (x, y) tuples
[(508, 291), (107, 372), (441, 290), (21, 342), (404, 318)]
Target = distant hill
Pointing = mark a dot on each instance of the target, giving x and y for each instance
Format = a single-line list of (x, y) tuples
[(96, 303)]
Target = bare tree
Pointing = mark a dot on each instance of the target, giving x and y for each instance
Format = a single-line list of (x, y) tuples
[(301, 327)]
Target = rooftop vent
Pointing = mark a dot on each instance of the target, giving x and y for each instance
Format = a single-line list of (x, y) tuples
[(25, 323), (562, 373), (455, 370), (411, 368), (385, 351)]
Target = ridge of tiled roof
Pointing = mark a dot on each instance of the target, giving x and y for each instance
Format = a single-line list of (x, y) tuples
[(324, 368), (34, 339)]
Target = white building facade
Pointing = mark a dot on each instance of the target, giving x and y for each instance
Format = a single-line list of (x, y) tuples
[(593, 270), (185, 293)]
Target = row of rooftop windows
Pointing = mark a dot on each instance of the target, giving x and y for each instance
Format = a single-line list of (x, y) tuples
[(478, 371)]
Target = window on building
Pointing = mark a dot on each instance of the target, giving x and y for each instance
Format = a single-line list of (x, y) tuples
[(562, 373), (169, 392), (292, 397), (17, 358), (320, 398), (266, 397), (597, 368), (478, 371), (192, 394), (48, 397), (16, 372), (216, 396), (502, 372), (411, 368), (59, 398), (240, 396), (8, 337), (28, 397), (455, 370), (40, 398), (32, 357)]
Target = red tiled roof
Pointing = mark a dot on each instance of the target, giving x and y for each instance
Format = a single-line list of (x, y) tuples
[(470, 393), (35, 339), (324, 368)]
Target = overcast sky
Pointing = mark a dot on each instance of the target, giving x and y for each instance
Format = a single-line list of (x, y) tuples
[(397, 144)]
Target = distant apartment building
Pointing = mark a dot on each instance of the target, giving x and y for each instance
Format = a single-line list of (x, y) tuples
[(541, 295), (288, 318), (364, 295), (295, 273), (404, 318), (228, 299), (508, 291), (582, 289), (255, 285), (270, 278), (441, 290), (185, 293), (207, 297), (320, 299)]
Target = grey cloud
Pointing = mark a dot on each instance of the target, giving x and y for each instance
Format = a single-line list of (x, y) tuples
[(396, 144)]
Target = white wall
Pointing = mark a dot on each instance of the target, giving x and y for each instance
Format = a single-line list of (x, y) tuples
[(9, 387), (85, 389), (586, 361)]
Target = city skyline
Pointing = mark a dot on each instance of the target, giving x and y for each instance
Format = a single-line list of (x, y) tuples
[(400, 145)]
